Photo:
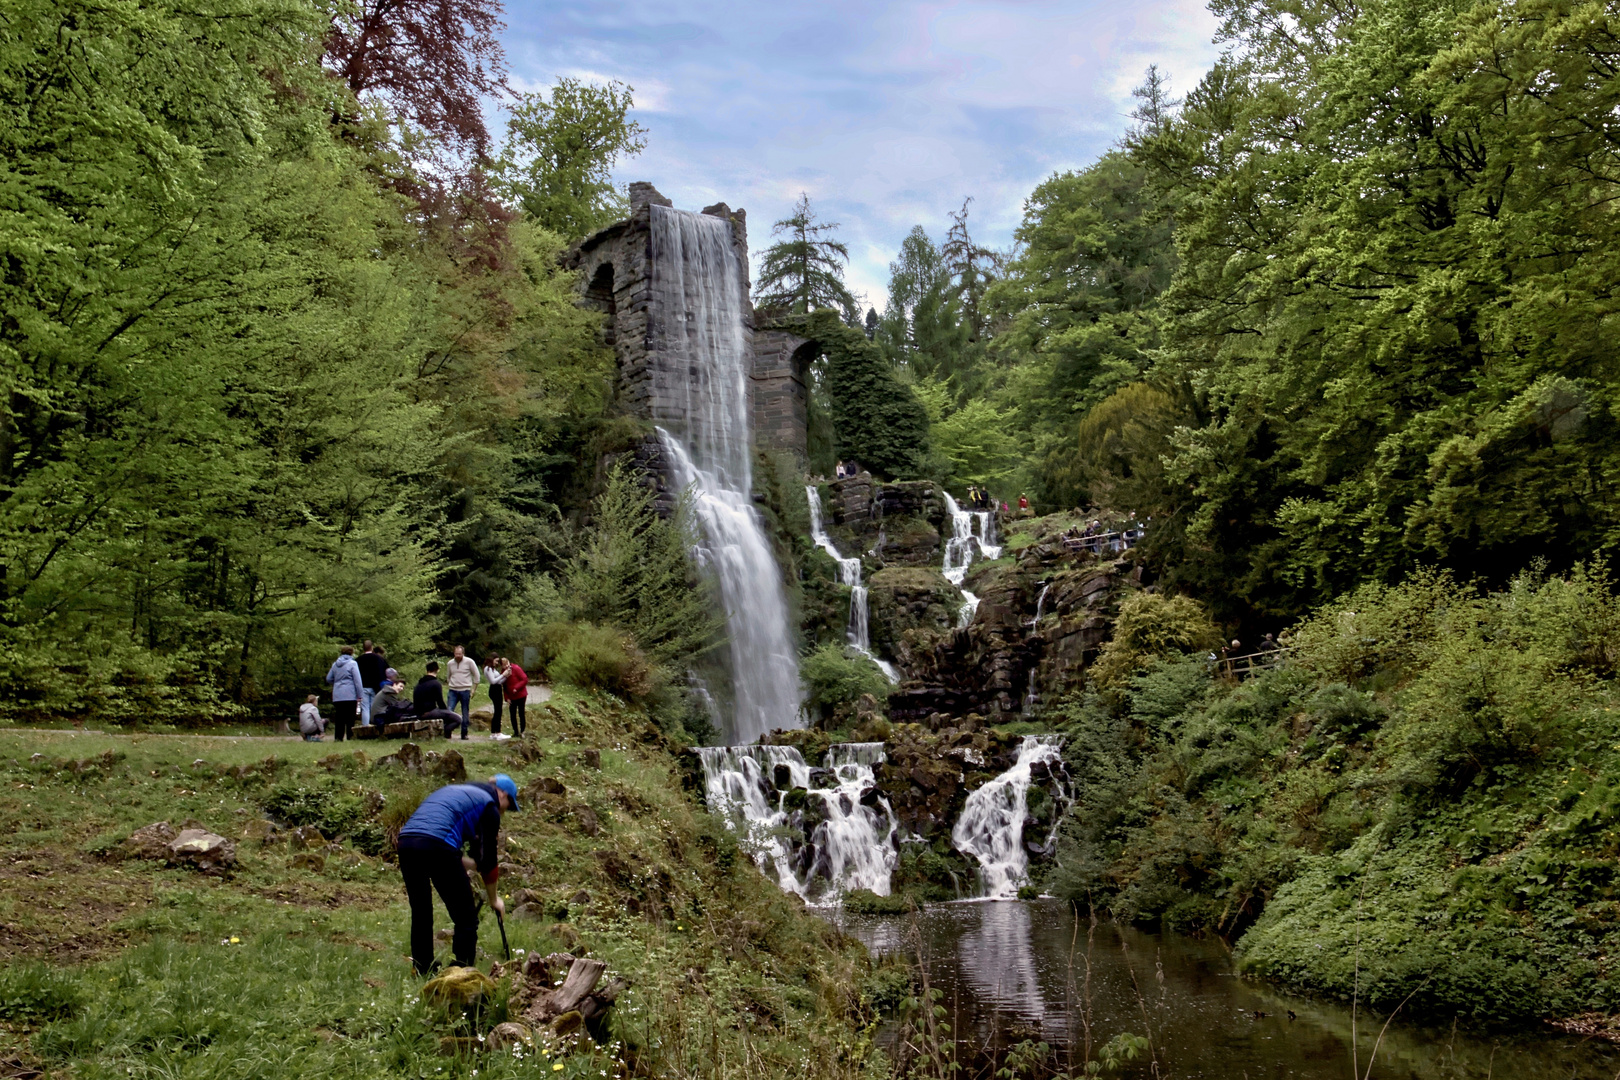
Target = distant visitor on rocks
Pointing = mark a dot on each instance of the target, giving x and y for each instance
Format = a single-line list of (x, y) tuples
[(373, 666), (495, 677), (430, 857), (516, 686)]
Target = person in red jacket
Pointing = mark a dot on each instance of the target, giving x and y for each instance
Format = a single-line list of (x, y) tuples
[(516, 687)]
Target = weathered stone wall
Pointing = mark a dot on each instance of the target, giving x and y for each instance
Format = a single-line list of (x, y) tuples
[(616, 273)]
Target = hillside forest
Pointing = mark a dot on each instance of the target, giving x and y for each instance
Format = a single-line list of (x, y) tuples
[(290, 359)]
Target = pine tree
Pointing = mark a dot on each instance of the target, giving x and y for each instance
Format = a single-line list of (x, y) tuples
[(804, 271)]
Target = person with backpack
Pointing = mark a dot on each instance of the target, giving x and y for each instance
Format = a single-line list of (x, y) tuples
[(347, 690), (430, 858)]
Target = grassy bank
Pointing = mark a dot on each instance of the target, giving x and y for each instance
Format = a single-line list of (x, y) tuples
[(1420, 807), (293, 965)]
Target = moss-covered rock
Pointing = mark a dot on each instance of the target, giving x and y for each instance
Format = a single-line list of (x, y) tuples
[(910, 598)]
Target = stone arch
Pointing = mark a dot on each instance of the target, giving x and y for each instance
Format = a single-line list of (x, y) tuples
[(599, 296)]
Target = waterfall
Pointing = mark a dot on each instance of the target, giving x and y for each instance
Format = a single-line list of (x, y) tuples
[(1040, 605), (968, 528), (991, 828), (697, 283), (858, 630), (850, 841)]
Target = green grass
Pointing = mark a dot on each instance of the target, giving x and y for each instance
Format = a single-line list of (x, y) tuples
[(124, 968)]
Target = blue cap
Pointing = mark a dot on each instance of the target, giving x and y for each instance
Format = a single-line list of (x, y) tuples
[(506, 784)]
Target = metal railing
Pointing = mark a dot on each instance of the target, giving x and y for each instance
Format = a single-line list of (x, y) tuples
[(1241, 667), (1113, 542)]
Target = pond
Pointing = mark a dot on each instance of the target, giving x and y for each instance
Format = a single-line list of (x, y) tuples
[(1016, 971)]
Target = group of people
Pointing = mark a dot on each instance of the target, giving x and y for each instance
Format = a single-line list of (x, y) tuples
[(846, 469), (365, 687)]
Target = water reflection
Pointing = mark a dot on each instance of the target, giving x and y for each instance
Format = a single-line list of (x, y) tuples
[(1014, 971)]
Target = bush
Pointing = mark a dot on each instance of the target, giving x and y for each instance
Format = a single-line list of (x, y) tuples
[(598, 658), (1151, 625), (867, 902), (327, 806), (835, 677)]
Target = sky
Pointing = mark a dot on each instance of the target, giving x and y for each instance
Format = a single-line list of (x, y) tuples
[(886, 114)]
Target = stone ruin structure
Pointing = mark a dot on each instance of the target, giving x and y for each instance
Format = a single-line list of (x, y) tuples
[(617, 276)]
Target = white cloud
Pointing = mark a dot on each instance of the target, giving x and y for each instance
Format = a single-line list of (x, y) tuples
[(886, 114)]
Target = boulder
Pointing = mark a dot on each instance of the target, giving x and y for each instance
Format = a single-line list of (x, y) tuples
[(447, 766), (261, 831), (313, 861), (586, 817), (507, 1035), (407, 757), (590, 758), (202, 850), (152, 842), (306, 837)]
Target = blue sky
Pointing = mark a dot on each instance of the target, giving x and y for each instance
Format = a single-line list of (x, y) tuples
[(887, 114)]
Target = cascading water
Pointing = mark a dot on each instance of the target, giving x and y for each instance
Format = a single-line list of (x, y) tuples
[(697, 282), (969, 528), (858, 631), (846, 829), (991, 828)]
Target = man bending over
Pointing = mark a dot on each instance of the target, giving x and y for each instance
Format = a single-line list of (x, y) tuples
[(430, 857)]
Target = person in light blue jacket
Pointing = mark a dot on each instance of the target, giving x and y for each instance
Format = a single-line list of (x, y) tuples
[(347, 689)]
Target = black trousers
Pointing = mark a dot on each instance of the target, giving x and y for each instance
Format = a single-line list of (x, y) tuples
[(427, 864), (495, 699), (343, 717), (515, 709)]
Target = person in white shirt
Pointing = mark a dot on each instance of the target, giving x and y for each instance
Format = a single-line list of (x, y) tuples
[(463, 676), (494, 676)]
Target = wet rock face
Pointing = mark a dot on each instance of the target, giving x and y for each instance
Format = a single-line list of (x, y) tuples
[(987, 666), (929, 773), (910, 598), (899, 524)]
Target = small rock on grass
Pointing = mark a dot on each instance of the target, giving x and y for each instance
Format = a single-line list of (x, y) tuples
[(203, 850), (507, 1035)]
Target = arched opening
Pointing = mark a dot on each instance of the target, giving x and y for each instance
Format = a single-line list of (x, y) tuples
[(599, 297)]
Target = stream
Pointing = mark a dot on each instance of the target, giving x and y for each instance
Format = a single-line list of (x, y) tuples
[(1006, 973)]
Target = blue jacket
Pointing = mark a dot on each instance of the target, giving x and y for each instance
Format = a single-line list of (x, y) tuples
[(458, 814), (344, 675)]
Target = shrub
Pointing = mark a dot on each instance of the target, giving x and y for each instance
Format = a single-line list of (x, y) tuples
[(1151, 625), (598, 658), (327, 806), (834, 677), (867, 902)]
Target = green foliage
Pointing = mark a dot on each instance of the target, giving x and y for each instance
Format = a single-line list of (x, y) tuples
[(1149, 626), (328, 805), (1420, 802), (804, 272), (32, 993), (1079, 308), (974, 444), (633, 570), (835, 677), (1391, 295), (867, 902), (598, 658), (558, 159)]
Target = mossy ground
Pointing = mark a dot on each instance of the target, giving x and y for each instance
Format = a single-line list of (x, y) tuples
[(115, 966)]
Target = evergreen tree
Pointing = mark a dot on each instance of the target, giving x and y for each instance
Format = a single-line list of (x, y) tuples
[(804, 271)]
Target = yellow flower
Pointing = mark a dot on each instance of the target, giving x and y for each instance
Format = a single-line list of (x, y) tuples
[(235, 940), (557, 1067)]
